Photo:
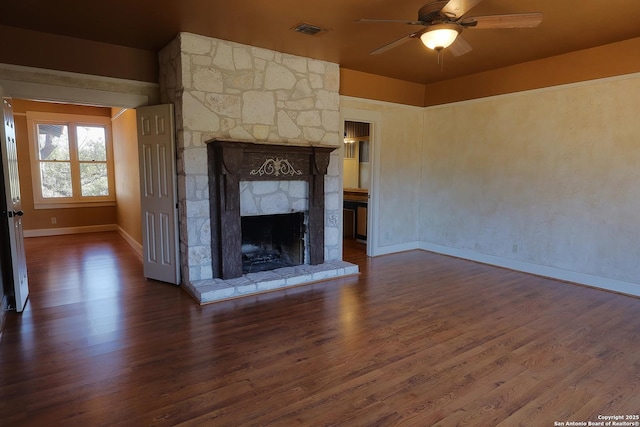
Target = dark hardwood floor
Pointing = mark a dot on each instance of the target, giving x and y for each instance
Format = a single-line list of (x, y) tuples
[(417, 339)]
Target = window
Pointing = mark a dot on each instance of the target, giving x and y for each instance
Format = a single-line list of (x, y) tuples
[(71, 160)]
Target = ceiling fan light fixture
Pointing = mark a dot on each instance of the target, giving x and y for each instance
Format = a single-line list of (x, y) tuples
[(440, 37)]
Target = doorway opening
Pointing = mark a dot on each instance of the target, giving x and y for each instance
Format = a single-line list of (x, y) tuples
[(357, 175), (118, 139), (76, 90)]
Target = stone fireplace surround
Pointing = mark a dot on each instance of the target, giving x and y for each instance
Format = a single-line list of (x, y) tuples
[(230, 163), (226, 90)]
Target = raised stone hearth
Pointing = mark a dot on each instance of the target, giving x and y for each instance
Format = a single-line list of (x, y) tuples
[(212, 290)]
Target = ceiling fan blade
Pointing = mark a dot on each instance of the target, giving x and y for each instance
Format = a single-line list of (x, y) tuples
[(515, 20), (460, 46), (391, 21), (457, 8), (395, 43)]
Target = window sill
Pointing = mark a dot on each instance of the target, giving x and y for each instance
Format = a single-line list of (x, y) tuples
[(67, 205)]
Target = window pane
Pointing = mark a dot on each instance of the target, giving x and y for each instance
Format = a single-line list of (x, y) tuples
[(364, 151), (93, 179), (91, 143), (56, 179), (53, 142)]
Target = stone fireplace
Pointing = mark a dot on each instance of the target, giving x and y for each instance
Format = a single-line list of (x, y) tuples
[(242, 94)]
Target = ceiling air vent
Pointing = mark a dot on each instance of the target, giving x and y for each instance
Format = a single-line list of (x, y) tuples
[(309, 29)]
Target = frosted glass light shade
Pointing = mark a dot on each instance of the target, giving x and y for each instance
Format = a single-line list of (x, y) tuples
[(439, 37)]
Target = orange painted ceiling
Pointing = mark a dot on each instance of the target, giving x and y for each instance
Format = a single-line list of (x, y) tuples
[(568, 25)]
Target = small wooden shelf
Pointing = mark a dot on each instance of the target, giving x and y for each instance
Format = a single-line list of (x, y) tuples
[(356, 195)]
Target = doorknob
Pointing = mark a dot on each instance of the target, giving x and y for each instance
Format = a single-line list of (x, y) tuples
[(15, 213)]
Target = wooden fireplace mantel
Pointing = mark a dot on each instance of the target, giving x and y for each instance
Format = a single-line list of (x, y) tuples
[(231, 162)]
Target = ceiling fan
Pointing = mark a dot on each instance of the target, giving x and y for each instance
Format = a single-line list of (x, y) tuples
[(443, 23)]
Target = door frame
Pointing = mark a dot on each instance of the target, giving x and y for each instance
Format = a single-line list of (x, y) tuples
[(374, 118), (41, 84)]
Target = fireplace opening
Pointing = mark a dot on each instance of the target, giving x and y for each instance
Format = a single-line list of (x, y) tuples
[(272, 241)]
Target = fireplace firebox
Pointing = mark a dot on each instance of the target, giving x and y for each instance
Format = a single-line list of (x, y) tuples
[(272, 241), (229, 163)]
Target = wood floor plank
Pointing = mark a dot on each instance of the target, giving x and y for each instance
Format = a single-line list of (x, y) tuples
[(416, 339), (553, 399)]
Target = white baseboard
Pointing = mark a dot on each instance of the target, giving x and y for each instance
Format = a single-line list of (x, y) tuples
[(539, 270), (69, 230), (392, 249), (137, 247)]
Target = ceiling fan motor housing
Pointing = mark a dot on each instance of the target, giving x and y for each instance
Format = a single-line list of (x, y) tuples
[(432, 11)]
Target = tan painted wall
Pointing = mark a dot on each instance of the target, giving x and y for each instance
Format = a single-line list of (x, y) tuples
[(125, 156), (546, 177), (35, 219), (605, 61), (399, 171), (42, 50), (369, 86)]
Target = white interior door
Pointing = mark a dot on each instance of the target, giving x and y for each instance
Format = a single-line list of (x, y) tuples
[(158, 193), (14, 206)]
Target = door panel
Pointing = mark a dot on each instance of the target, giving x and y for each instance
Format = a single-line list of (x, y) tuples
[(14, 206), (156, 148)]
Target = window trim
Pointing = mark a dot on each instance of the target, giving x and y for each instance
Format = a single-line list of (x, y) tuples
[(77, 200)]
